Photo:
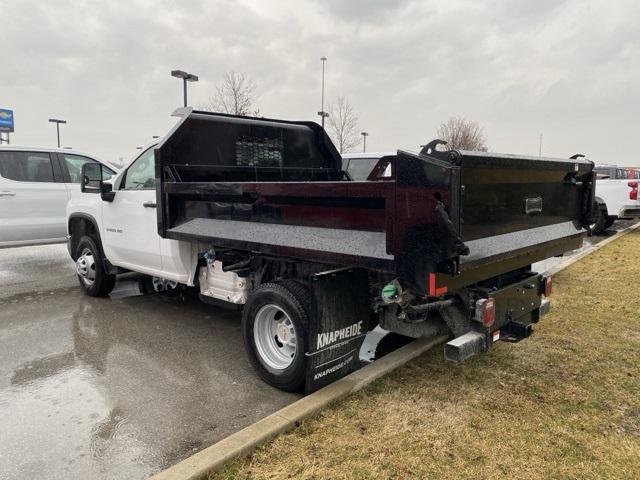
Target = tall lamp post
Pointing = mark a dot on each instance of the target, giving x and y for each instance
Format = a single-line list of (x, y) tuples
[(57, 122), (186, 77), (322, 113), (364, 139), (540, 146)]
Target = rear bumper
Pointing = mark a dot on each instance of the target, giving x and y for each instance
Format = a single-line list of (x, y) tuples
[(522, 306), (629, 211)]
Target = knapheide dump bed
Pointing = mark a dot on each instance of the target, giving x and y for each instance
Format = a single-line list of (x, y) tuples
[(277, 188), (432, 242)]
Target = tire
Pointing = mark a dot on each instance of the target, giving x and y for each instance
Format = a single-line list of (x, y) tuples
[(91, 274), (608, 222), (276, 317), (598, 227)]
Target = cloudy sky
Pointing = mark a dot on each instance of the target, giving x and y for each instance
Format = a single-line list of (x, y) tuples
[(569, 70)]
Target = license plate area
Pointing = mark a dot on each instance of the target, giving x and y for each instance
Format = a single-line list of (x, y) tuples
[(517, 301)]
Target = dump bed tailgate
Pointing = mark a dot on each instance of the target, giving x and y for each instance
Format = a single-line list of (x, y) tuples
[(516, 210)]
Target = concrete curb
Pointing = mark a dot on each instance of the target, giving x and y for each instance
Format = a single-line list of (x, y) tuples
[(245, 441)]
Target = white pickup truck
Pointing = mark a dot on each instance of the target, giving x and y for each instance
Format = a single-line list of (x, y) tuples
[(261, 213), (616, 195)]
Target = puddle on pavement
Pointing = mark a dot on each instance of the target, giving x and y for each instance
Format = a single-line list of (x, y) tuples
[(121, 387)]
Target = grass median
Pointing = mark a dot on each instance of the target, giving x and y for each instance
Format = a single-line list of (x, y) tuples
[(564, 403)]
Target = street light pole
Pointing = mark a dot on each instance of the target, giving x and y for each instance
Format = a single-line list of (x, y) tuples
[(364, 138), (540, 147), (186, 77), (322, 113), (57, 122)]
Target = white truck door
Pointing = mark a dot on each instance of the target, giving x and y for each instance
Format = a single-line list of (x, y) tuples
[(129, 223), (33, 199)]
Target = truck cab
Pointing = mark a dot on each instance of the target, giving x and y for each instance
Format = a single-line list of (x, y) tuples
[(124, 224)]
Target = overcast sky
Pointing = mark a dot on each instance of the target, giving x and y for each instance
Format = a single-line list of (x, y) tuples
[(569, 70)]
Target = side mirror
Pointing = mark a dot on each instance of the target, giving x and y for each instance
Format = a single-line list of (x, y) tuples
[(106, 192), (91, 178), (91, 182)]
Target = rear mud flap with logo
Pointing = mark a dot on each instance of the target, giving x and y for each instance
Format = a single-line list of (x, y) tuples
[(339, 323)]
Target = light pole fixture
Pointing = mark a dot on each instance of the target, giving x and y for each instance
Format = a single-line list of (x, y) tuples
[(322, 113), (364, 139), (57, 122), (186, 77)]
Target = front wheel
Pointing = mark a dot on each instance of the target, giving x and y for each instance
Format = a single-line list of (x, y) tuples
[(275, 322), (89, 267)]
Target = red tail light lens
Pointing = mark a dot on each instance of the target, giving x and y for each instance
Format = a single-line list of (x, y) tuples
[(547, 285), (633, 194), (486, 311)]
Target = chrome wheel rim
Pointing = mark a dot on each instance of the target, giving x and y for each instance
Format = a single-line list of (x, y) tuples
[(275, 337), (86, 267)]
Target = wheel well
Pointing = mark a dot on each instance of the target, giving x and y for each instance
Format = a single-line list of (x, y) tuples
[(601, 203), (79, 227)]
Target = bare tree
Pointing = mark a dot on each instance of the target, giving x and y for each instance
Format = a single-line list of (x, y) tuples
[(343, 125), (235, 94), (463, 134)]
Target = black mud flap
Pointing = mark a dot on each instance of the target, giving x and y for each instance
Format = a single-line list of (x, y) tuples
[(339, 323)]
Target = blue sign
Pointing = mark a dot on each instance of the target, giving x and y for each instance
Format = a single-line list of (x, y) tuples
[(6, 120)]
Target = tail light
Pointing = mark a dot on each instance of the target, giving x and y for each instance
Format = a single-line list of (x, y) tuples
[(633, 194), (547, 285), (486, 311)]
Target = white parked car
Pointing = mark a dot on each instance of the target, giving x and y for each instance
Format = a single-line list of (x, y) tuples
[(35, 186), (616, 195)]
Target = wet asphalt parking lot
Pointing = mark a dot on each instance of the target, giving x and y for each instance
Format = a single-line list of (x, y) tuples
[(120, 387), (114, 388)]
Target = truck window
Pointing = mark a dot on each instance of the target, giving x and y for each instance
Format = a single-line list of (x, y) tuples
[(360, 168), (141, 175), (74, 165), (26, 166)]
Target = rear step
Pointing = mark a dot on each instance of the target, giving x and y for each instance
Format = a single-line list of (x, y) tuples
[(465, 346)]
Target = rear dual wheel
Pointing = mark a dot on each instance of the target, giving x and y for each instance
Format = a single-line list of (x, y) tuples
[(275, 323)]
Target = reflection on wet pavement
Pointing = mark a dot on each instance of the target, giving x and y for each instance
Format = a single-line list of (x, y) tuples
[(119, 388)]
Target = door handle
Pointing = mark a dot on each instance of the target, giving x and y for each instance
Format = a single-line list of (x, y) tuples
[(6, 193), (149, 204)]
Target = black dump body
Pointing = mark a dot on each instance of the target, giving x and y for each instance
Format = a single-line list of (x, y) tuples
[(276, 188)]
